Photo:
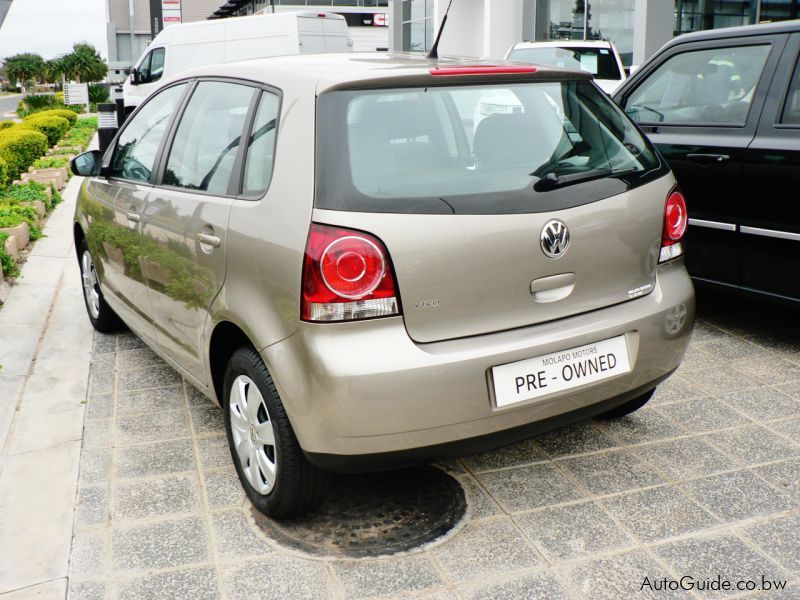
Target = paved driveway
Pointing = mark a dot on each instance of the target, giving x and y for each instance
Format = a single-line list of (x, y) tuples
[(8, 105), (703, 482)]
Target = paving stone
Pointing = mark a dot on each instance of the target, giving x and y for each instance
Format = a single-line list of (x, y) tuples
[(792, 390), (751, 445), (704, 331), (769, 369), (789, 428), (196, 398), (620, 576), (724, 555), (703, 414), (160, 545), (731, 348), (97, 433), (86, 591), (92, 507), (207, 419), (778, 538), (276, 578), (484, 549), (508, 456), (684, 458), (480, 504), (159, 458), (100, 406), (541, 584), (567, 532), (524, 488), (152, 427), (149, 401), (101, 382), (737, 495), (369, 578), (723, 380), (139, 358), (104, 343), (675, 389), (236, 536), (129, 341), (641, 426), (105, 361), (784, 343), (89, 558), (611, 472), (659, 513), (576, 439), (192, 584), (156, 498), (786, 593), (214, 452), (141, 379), (223, 488), (696, 359), (95, 466), (763, 404), (783, 475)]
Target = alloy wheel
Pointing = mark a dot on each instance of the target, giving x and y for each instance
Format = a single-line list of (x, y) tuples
[(91, 291)]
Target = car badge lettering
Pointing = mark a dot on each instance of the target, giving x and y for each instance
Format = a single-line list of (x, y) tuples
[(554, 239)]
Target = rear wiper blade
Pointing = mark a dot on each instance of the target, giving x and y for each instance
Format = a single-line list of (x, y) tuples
[(551, 181)]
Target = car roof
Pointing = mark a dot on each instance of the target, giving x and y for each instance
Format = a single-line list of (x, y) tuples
[(379, 69), (564, 44), (745, 30)]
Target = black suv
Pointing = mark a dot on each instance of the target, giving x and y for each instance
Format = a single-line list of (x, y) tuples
[(723, 107)]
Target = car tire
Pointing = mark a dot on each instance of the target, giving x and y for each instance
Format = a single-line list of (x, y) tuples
[(628, 407), (274, 472), (101, 315)]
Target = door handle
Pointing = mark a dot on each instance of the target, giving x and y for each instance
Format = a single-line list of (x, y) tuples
[(708, 158), (208, 239)]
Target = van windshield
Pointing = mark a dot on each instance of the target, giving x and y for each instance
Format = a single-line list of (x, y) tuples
[(600, 62), (475, 149)]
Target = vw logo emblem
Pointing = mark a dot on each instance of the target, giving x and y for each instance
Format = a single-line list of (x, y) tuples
[(554, 238)]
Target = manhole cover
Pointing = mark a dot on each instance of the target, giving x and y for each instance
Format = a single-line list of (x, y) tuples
[(375, 514)]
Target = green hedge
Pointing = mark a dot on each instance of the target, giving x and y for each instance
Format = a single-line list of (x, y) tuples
[(3, 172), (19, 147), (53, 127), (12, 215), (69, 115)]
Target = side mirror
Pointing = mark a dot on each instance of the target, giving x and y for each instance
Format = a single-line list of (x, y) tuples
[(88, 164), (136, 77)]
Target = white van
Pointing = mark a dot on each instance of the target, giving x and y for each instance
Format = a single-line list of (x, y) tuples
[(190, 45)]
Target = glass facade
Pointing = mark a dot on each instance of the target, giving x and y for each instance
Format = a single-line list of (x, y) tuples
[(418, 30), (695, 15)]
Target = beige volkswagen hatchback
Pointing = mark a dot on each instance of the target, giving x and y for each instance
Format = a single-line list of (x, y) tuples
[(367, 267)]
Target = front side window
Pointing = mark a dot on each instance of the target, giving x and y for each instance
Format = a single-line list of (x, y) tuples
[(134, 154), (475, 149), (157, 64), (600, 62), (791, 108), (208, 137), (261, 147), (702, 87)]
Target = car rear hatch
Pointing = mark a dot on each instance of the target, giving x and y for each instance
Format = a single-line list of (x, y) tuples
[(502, 204)]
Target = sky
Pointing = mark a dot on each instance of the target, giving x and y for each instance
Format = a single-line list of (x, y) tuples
[(51, 27)]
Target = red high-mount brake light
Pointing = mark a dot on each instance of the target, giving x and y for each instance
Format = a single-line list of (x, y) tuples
[(482, 70), (675, 221), (347, 275)]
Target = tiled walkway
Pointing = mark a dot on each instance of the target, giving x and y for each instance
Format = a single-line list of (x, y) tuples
[(704, 481)]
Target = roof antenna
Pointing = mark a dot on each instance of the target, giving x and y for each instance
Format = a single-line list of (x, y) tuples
[(434, 53)]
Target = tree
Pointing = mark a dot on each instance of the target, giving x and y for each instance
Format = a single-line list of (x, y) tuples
[(25, 67), (84, 63)]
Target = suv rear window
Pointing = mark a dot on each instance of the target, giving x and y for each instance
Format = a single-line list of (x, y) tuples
[(600, 62), (476, 149)]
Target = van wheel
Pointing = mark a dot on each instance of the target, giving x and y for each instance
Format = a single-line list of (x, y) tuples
[(102, 317), (629, 407), (277, 477)]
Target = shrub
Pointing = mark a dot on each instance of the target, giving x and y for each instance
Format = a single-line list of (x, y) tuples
[(8, 264), (3, 172), (19, 147), (34, 101), (59, 98), (51, 162), (12, 215), (6, 124), (52, 127), (98, 93), (24, 192), (69, 115)]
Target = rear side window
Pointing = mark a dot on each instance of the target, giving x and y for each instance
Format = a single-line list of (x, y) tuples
[(791, 109), (600, 62), (261, 147), (135, 151), (475, 149), (208, 137), (702, 87)]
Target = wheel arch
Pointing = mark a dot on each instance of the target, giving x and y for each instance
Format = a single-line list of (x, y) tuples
[(225, 339)]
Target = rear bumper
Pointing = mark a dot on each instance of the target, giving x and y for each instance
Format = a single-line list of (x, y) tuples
[(366, 388)]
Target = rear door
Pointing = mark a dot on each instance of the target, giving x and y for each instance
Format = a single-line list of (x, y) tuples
[(770, 220), (700, 104), (185, 225)]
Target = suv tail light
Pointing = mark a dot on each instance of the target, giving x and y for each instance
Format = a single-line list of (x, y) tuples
[(347, 275), (675, 222)]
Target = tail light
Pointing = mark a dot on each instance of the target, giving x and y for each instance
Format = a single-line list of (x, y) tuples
[(347, 275), (675, 221)]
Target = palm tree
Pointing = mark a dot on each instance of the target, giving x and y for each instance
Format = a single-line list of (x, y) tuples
[(84, 63)]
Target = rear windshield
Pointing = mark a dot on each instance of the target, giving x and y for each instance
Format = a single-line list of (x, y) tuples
[(476, 149), (600, 62)]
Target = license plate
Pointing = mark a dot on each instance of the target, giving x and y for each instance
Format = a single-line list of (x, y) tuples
[(535, 377)]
